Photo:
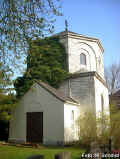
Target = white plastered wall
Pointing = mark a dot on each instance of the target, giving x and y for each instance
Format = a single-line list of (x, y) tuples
[(37, 99), (70, 124), (100, 89), (94, 56)]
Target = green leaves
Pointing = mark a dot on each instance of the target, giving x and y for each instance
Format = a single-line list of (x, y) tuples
[(115, 123), (46, 61), (7, 100), (21, 21), (7, 105)]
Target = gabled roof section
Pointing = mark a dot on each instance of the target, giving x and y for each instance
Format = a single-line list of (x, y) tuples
[(115, 98), (83, 37), (117, 94), (56, 93)]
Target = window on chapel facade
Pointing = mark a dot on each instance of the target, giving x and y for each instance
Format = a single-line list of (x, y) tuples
[(82, 59)]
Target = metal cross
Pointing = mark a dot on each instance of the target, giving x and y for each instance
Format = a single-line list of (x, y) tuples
[(66, 25)]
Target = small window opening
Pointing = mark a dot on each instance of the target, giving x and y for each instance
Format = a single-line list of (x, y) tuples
[(82, 59)]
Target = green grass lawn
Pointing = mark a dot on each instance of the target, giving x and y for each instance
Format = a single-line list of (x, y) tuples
[(12, 152)]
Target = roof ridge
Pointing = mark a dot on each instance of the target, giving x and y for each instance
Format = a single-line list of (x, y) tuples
[(89, 38), (117, 93), (55, 92), (76, 34)]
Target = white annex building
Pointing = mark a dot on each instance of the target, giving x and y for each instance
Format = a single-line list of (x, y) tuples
[(47, 115)]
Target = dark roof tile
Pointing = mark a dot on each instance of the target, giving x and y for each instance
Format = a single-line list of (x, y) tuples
[(117, 93), (55, 92)]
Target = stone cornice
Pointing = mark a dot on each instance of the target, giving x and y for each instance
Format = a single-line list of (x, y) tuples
[(81, 37), (87, 74), (101, 79), (56, 93)]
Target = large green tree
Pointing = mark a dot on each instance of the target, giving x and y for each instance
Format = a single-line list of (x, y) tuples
[(46, 61), (112, 76), (7, 105), (7, 100), (21, 21)]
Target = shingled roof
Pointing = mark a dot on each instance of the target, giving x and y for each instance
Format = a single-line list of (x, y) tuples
[(115, 98), (117, 93), (56, 93)]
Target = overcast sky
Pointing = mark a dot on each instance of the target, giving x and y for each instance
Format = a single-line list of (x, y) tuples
[(96, 18)]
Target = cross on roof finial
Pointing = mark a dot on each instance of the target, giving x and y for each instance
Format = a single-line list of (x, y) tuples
[(66, 25)]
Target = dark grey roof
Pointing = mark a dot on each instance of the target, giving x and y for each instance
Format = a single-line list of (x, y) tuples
[(117, 93), (115, 98), (55, 92)]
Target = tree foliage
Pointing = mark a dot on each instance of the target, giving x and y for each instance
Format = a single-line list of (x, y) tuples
[(7, 104), (87, 128), (94, 128), (46, 61), (100, 128), (112, 76), (115, 123), (21, 21), (7, 101)]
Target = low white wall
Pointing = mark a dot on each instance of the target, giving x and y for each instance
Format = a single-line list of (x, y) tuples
[(100, 89), (70, 125), (94, 56), (38, 99)]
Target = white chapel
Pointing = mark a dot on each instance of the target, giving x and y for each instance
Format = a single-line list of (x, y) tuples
[(46, 115), (85, 63)]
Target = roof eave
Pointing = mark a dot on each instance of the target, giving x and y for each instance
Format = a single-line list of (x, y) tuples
[(83, 37), (72, 103)]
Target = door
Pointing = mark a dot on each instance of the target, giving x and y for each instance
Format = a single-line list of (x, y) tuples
[(35, 127)]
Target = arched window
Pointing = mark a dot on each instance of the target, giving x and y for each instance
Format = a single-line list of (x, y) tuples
[(82, 59)]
